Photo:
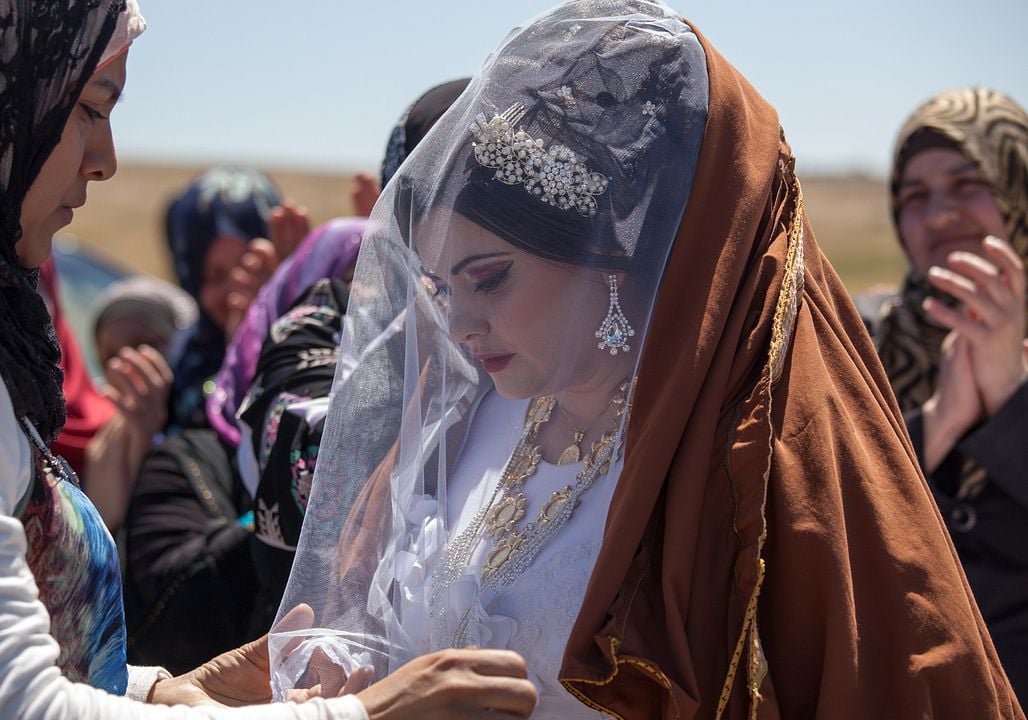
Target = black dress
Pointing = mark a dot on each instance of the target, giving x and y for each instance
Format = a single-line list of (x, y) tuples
[(190, 580), (990, 530)]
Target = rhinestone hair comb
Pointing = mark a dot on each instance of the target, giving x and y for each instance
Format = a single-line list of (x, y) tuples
[(555, 175)]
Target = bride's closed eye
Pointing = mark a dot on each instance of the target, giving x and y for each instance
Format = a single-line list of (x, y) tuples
[(491, 277)]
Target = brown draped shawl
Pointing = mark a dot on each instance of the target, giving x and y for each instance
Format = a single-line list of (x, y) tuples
[(772, 549)]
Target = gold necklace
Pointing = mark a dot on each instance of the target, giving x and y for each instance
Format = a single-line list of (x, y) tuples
[(523, 463), (501, 521), (573, 452)]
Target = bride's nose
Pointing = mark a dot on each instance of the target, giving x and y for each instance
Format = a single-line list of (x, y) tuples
[(466, 321)]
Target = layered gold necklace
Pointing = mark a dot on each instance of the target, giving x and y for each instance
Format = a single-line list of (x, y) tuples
[(502, 520), (516, 545)]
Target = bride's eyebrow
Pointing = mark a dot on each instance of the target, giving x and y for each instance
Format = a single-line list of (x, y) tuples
[(472, 258)]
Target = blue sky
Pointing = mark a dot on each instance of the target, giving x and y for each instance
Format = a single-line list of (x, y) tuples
[(320, 84)]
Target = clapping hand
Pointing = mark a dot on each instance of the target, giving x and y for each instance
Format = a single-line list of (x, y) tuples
[(992, 320), (288, 226), (139, 384), (985, 356), (365, 194)]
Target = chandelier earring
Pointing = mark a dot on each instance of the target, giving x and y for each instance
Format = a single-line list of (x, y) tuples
[(615, 330)]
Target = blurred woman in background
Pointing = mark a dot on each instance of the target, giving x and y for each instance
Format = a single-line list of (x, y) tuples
[(953, 342)]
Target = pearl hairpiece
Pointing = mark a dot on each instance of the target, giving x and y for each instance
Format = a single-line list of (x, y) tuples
[(555, 175)]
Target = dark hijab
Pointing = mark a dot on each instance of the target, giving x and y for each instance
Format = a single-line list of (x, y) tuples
[(50, 50), (230, 201), (416, 122)]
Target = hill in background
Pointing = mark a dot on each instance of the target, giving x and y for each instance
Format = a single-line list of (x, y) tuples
[(124, 219)]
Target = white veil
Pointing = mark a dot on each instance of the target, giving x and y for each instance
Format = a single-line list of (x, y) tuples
[(570, 156)]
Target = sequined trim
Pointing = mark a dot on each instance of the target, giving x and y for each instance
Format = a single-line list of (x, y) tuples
[(792, 288), (650, 668), (786, 311)]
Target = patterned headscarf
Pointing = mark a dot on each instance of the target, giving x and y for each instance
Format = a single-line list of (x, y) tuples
[(992, 131), (50, 50), (233, 201), (329, 251)]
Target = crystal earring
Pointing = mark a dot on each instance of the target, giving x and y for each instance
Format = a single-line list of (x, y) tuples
[(615, 330)]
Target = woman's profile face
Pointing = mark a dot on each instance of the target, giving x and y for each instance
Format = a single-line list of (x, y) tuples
[(84, 153), (529, 323), (945, 204)]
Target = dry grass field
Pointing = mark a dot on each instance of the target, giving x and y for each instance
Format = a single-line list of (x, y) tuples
[(124, 220)]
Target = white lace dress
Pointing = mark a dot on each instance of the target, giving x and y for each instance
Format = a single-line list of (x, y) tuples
[(534, 615)]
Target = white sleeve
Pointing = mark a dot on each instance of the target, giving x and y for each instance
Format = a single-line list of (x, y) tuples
[(15, 456), (141, 679), (31, 686)]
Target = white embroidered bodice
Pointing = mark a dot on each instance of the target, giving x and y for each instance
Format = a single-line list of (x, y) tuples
[(541, 606)]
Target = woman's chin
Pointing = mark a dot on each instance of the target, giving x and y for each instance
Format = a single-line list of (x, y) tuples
[(514, 388), (509, 393), (33, 254)]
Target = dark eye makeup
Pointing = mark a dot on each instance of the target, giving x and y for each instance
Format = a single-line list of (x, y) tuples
[(494, 280)]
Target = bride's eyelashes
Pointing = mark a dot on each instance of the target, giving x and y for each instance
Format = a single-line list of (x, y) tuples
[(490, 278)]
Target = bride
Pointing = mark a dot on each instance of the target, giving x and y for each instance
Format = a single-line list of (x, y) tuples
[(601, 401)]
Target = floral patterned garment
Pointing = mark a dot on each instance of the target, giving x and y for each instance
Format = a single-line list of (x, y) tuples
[(285, 408), (75, 562)]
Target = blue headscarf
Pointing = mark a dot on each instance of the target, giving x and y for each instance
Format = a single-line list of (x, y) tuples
[(232, 201)]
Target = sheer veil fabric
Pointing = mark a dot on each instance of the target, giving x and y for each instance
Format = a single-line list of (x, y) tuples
[(758, 558), (610, 99)]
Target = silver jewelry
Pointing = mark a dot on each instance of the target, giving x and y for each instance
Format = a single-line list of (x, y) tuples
[(615, 330), (555, 175), (54, 465)]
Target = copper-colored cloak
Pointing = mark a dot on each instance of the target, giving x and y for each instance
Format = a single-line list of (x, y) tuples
[(772, 549)]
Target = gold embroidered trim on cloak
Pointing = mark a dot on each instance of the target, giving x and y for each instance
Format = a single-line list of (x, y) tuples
[(788, 304), (648, 667), (783, 324)]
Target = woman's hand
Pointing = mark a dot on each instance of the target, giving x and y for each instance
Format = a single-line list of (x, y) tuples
[(234, 678), (140, 381), (956, 405), (289, 225), (139, 384), (488, 684), (992, 321), (287, 228), (365, 194), (237, 677)]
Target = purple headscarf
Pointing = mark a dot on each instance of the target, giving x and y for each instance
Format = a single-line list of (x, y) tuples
[(329, 251)]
